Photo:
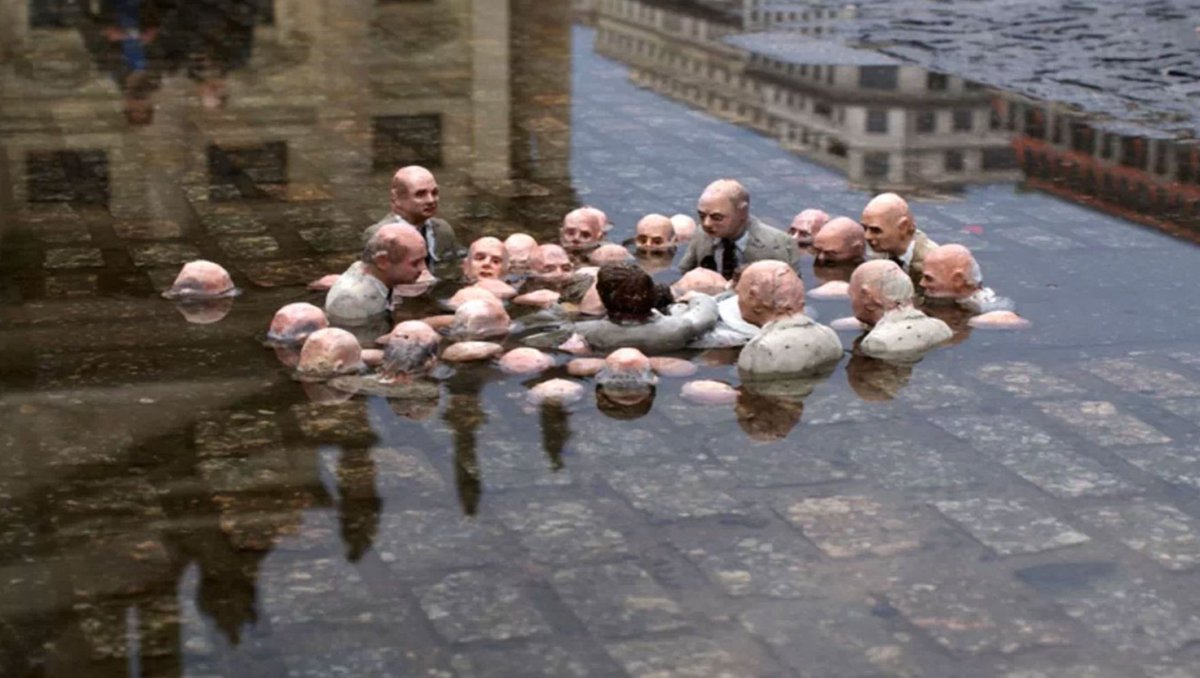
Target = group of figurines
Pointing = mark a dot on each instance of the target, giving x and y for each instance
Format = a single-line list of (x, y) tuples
[(598, 301)]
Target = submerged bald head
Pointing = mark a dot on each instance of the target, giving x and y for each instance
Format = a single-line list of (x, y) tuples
[(840, 240), (655, 233), (877, 287), (806, 225), (415, 194), (888, 224), (951, 272), (520, 247), (582, 228), (395, 254), (769, 290)]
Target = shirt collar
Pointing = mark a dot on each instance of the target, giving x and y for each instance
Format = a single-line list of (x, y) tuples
[(906, 258)]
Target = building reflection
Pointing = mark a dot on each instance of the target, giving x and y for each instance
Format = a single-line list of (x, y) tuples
[(884, 124)]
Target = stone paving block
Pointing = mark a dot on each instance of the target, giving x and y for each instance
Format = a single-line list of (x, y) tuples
[(334, 238), (1054, 670), (784, 462), (1125, 612), (1143, 378), (906, 464), (686, 657), (235, 433), (1185, 408), (752, 563), (834, 407), (284, 272), (74, 257), (826, 638), (618, 600), (1159, 531), (231, 223), (1176, 465), (306, 662), (1036, 238), (1026, 380), (1010, 526), (162, 254), (971, 615), (147, 229), (508, 462), (407, 469), (564, 532), (324, 591), (534, 660), (472, 606), (249, 246), (1102, 423), (346, 423), (411, 541), (846, 526), (1033, 454), (62, 232), (591, 442), (72, 285), (672, 491), (929, 390)]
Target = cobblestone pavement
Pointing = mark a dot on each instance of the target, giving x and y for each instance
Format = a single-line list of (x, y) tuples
[(172, 503), (1132, 62)]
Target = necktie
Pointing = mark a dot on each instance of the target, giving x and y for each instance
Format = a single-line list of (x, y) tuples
[(728, 257)]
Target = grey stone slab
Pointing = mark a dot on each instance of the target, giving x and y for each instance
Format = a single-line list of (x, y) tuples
[(535, 660), (1102, 423), (784, 462), (334, 238), (1159, 531), (1010, 526), (345, 423), (325, 591), (827, 638), (305, 661), (686, 657), (752, 563), (407, 469), (72, 285), (672, 491), (228, 223), (846, 526), (63, 232), (1036, 237), (1173, 464), (1143, 378), (235, 433), (618, 600), (834, 407), (147, 229), (510, 461), (438, 538), (1033, 454), (1026, 380), (74, 257), (249, 246), (1130, 615), (162, 254), (1186, 408), (930, 390), (593, 441), (564, 532), (908, 464), (972, 615), (473, 606)]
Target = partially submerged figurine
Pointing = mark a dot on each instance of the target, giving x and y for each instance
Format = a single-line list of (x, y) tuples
[(201, 280), (882, 298), (892, 234), (293, 324), (486, 258), (952, 275), (684, 227), (415, 198), (582, 228), (329, 353), (395, 255), (771, 295), (806, 225), (520, 248), (731, 236), (655, 233)]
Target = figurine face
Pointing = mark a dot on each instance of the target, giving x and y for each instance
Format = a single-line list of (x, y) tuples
[(888, 228), (580, 229), (685, 227), (946, 274), (405, 260), (551, 263), (805, 226), (840, 240), (487, 258), (719, 217), (655, 234), (520, 248), (415, 195)]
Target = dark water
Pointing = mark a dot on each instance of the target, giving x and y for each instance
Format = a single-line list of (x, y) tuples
[(174, 503)]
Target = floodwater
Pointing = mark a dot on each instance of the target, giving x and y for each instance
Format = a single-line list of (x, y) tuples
[(173, 503)]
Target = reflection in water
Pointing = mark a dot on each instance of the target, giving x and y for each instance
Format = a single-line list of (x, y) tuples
[(873, 379), (359, 504), (556, 431), (625, 403), (465, 416)]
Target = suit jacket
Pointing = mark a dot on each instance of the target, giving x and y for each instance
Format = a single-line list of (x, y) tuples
[(764, 243), (443, 233), (916, 268)]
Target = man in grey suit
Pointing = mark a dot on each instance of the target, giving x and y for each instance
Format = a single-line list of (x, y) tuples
[(414, 199), (730, 236)]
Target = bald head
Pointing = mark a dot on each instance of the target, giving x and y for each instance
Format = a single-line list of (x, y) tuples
[(550, 262), (655, 233), (840, 240), (395, 254), (582, 228), (520, 247), (951, 272), (888, 224), (486, 258), (724, 209), (806, 225), (877, 287), (685, 227), (414, 194), (610, 253), (479, 319), (769, 290)]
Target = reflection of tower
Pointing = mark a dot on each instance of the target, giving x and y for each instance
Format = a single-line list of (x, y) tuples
[(883, 124), (1137, 174)]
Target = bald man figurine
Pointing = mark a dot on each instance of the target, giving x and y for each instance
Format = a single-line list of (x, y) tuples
[(771, 295), (730, 236), (953, 276), (892, 234), (415, 198), (394, 255), (882, 297)]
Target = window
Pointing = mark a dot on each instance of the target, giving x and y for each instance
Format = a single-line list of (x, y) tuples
[(877, 121), (400, 140), (926, 122), (1001, 158), (963, 120), (75, 176), (878, 77), (875, 165), (936, 82), (954, 161)]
